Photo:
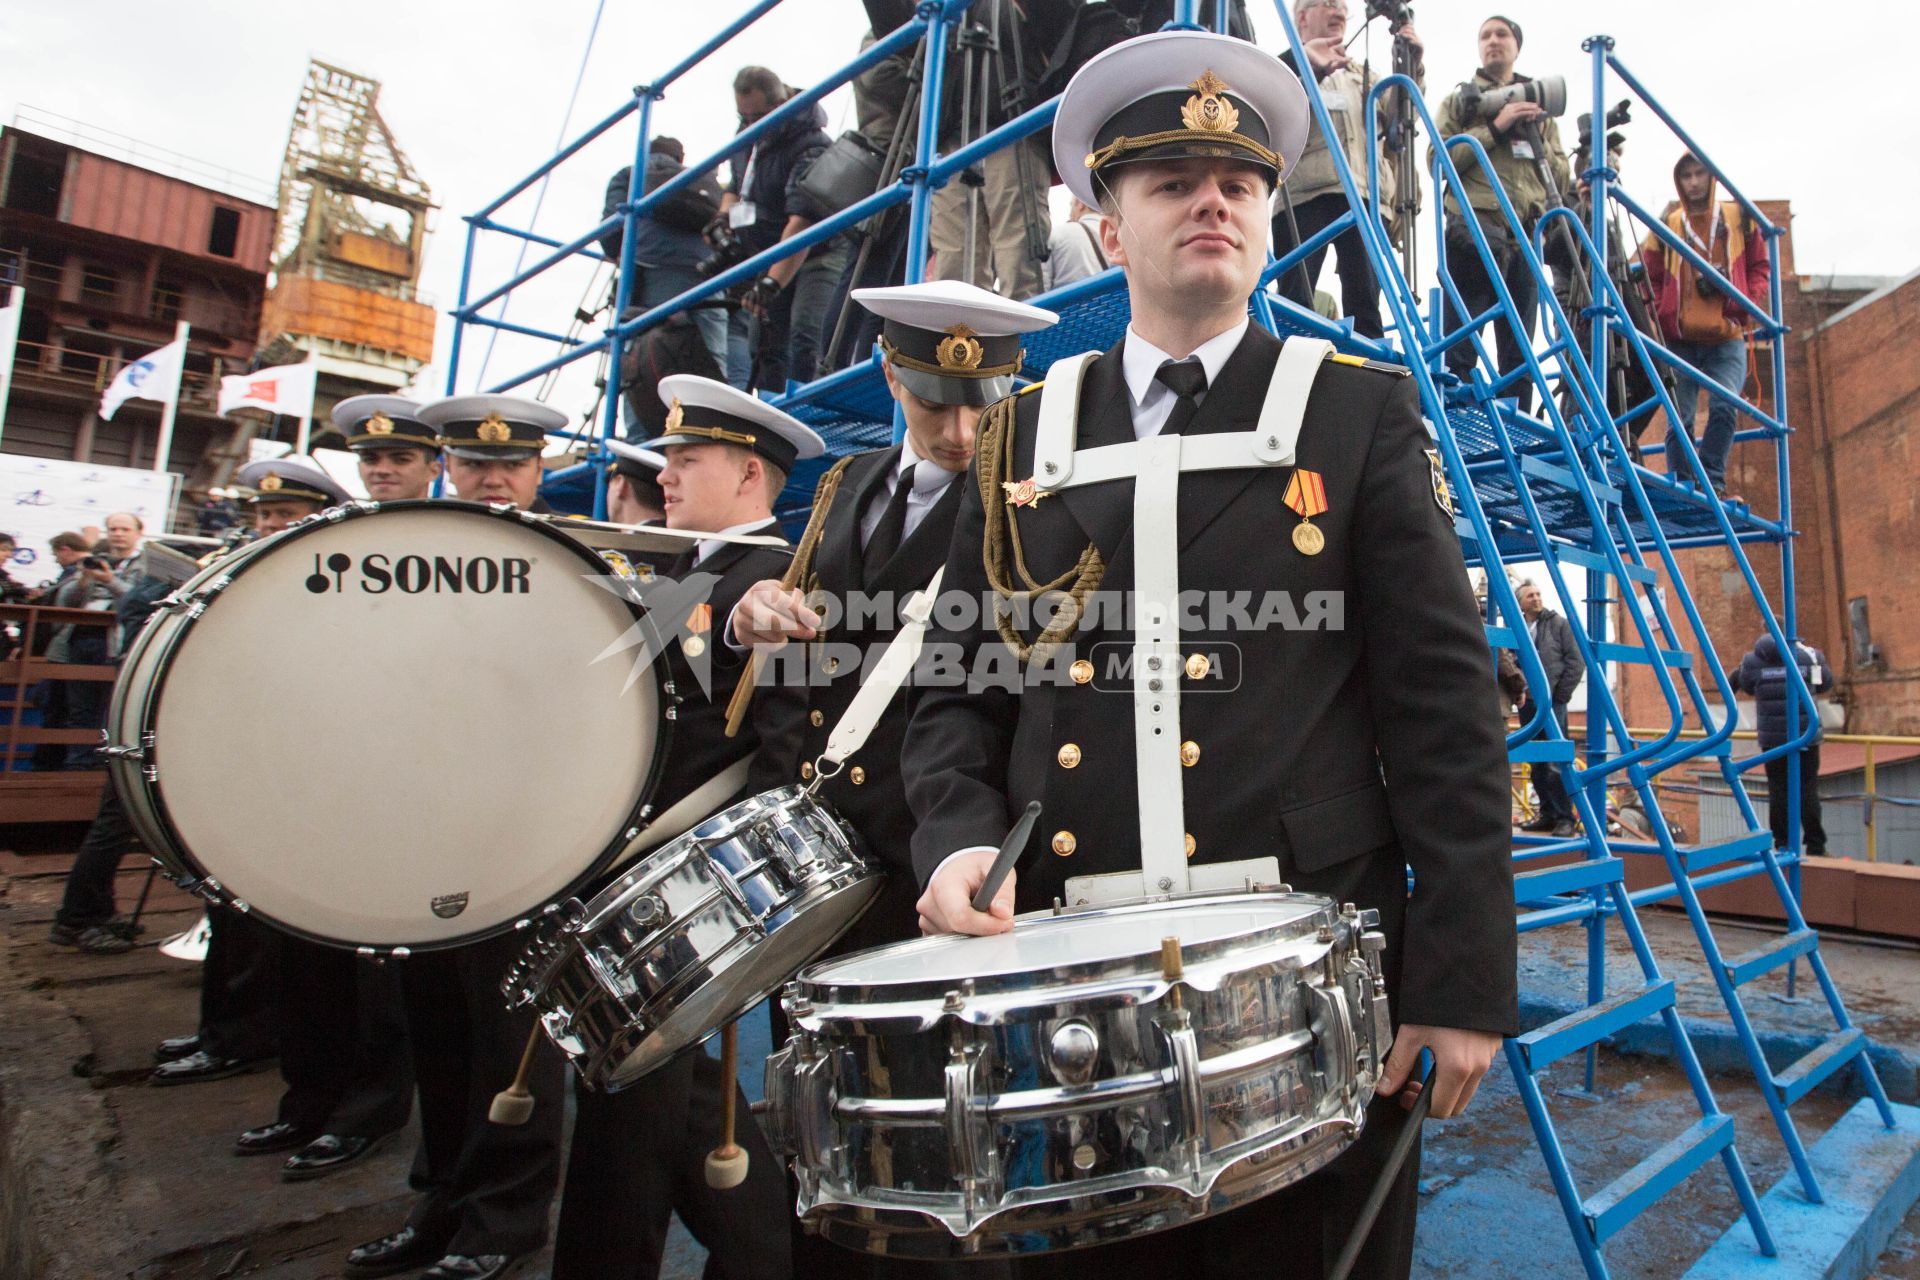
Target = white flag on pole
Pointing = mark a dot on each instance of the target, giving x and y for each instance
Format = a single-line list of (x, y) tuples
[(286, 388), (154, 376)]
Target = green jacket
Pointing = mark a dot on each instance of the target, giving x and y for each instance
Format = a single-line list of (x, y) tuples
[(1516, 172)]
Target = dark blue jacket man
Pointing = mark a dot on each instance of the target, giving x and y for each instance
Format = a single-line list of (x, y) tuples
[(1763, 673)]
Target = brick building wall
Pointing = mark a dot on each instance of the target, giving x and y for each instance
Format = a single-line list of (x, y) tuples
[(1853, 399)]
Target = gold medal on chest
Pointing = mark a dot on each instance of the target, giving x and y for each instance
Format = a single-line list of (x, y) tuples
[(1307, 495)]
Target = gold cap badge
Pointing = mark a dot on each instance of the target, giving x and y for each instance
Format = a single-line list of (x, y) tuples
[(380, 425), (960, 349), (271, 482), (494, 429), (1207, 111), (675, 416)]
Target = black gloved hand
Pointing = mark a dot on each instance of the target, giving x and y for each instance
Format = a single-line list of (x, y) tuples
[(760, 295)]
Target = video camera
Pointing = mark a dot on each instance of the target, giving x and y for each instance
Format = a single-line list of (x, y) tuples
[(1397, 15), (1548, 92), (1618, 116)]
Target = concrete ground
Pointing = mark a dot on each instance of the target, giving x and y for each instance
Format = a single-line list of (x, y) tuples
[(103, 1176)]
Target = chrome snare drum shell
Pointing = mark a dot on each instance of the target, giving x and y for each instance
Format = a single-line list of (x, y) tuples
[(1050, 1088), (693, 934)]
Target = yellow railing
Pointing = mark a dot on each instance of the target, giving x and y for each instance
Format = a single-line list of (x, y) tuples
[(1868, 740)]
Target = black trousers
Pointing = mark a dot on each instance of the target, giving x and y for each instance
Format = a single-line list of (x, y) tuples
[(239, 986), (1476, 289), (1359, 291), (1294, 1234), (343, 1042), (639, 1156), (88, 899), (1813, 833), (486, 1187)]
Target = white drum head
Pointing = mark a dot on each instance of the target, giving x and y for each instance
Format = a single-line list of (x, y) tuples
[(1041, 943), (392, 730)]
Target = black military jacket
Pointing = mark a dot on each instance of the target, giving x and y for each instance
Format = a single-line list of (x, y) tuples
[(699, 748), (795, 715), (1351, 745)]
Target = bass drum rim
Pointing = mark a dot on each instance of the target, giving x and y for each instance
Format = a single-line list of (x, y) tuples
[(199, 877)]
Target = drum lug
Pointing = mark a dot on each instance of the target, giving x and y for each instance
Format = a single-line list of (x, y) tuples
[(777, 1119), (967, 1123), (1184, 1047), (1333, 1043), (125, 752)]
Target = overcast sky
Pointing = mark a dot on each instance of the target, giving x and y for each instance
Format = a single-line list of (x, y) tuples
[(476, 92)]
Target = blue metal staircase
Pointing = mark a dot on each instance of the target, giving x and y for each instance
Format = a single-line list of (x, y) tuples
[(1560, 487)]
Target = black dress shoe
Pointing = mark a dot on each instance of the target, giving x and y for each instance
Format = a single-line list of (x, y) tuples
[(461, 1266), (201, 1065), (1539, 824), (328, 1152), (404, 1250), (176, 1047), (281, 1135)]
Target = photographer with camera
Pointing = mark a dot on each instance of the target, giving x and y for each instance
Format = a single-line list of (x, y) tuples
[(1697, 321), (668, 247), (1511, 116), (1313, 189), (777, 333)]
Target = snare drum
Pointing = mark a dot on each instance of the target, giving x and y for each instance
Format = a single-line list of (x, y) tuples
[(391, 726), (697, 933), (1050, 1087)]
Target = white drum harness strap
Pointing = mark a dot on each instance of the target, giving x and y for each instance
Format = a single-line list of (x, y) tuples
[(1155, 466)]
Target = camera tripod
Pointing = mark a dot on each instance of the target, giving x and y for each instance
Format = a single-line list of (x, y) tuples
[(1627, 383)]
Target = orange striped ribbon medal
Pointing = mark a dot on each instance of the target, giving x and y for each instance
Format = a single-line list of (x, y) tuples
[(1307, 494)]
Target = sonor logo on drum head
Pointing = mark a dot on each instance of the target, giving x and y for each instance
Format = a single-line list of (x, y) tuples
[(449, 905), (421, 575)]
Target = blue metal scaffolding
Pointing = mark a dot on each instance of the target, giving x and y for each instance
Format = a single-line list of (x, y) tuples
[(1562, 487)]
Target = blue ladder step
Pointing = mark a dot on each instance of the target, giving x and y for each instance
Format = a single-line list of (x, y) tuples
[(1627, 1196), (1804, 1076), (1608, 651), (1597, 563), (1547, 471), (1743, 969), (1751, 845), (1577, 1030), (1571, 877), (1551, 750)]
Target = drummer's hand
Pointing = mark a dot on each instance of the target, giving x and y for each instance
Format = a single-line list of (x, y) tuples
[(770, 614), (1460, 1058), (947, 905)]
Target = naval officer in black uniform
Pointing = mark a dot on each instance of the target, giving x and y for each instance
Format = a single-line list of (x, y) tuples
[(244, 1015), (639, 1155), (399, 455), (485, 1187), (948, 350), (1356, 741), (634, 495)]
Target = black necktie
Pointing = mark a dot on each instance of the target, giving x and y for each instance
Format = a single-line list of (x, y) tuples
[(892, 529), (1187, 380)]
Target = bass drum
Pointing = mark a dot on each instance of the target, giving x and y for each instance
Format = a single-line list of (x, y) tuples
[(394, 726)]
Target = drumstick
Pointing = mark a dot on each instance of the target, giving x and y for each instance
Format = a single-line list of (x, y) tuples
[(727, 1163), (1010, 850), (802, 557), (513, 1105), (1383, 1183)]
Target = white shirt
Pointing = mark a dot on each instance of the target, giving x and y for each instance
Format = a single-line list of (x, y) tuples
[(1073, 252), (1153, 399), (930, 481)]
